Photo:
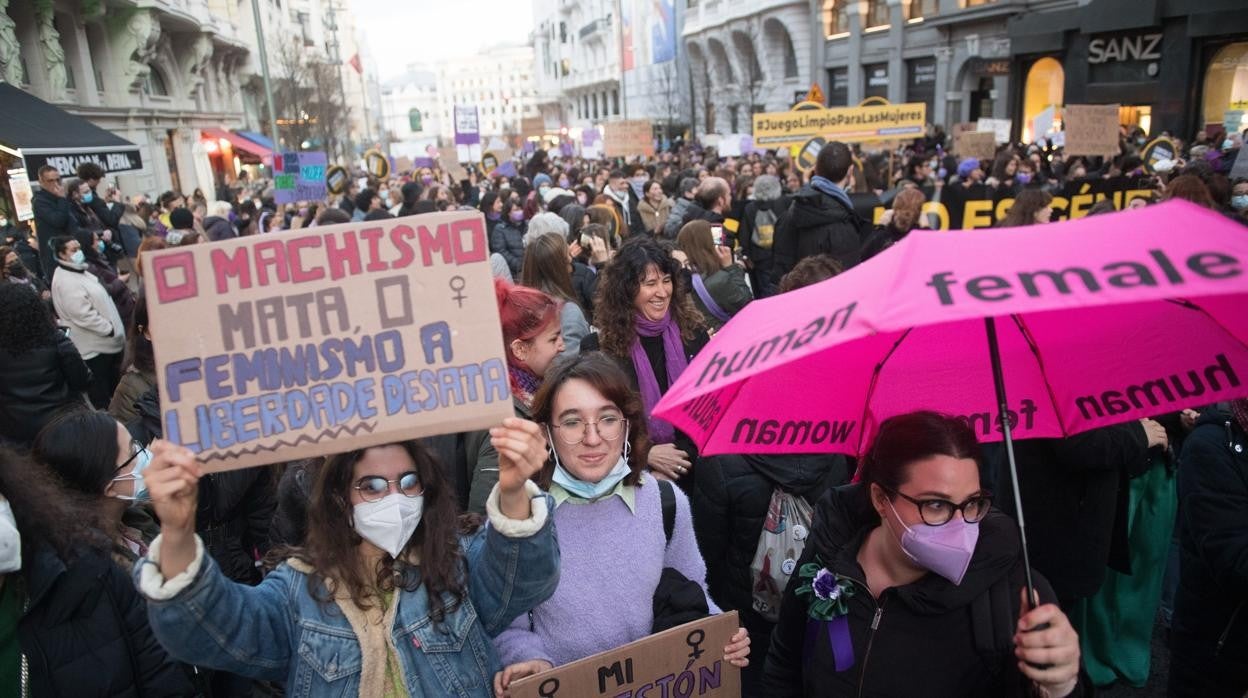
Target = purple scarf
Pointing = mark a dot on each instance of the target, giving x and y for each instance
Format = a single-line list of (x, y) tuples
[(661, 431), (524, 385)]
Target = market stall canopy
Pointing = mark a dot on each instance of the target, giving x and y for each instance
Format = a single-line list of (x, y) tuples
[(49, 135), (240, 143), (257, 138)]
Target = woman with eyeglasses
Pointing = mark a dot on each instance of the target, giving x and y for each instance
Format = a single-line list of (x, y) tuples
[(614, 544), (910, 584), (385, 597), (95, 456)]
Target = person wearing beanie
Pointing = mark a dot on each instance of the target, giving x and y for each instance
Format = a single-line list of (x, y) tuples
[(544, 223), (757, 231), (970, 172), (181, 224), (541, 180), (682, 202)]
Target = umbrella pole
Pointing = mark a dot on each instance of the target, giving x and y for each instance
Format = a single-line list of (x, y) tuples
[(998, 379)]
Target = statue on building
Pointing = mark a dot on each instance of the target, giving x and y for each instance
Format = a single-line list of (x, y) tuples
[(194, 63), (10, 48), (53, 54), (137, 46)]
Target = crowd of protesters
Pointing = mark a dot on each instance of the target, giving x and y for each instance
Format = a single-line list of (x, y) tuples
[(432, 567)]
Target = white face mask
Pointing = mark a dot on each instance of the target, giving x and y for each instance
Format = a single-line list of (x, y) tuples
[(10, 540), (389, 522)]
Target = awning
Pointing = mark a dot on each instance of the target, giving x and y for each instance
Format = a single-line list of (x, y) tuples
[(240, 143), (49, 135), (258, 139)]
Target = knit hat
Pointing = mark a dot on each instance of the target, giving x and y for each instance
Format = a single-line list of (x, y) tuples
[(181, 218), (540, 179), (968, 166), (767, 188), (544, 223)]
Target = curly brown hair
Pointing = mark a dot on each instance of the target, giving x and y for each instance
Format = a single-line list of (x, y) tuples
[(614, 312), (332, 545)]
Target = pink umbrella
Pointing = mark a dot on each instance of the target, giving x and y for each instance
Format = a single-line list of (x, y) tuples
[(1095, 321)]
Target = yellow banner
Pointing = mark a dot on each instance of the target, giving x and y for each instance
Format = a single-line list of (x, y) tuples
[(848, 124)]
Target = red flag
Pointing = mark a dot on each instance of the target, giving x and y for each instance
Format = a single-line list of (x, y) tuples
[(355, 63)]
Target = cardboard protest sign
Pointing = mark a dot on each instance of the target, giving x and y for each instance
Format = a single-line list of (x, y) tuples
[(327, 339), (1000, 128), (299, 177), (23, 196), (685, 661), (847, 124), (975, 144), (1091, 129), (403, 164), (624, 139)]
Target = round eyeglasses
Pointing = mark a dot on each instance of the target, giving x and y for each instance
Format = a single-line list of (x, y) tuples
[(374, 487), (573, 431), (938, 512)]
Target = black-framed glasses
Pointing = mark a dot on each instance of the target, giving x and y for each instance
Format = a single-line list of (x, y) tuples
[(374, 487), (135, 449), (573, 430), (938, 512)]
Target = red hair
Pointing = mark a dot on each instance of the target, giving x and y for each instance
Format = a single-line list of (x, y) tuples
[(524, 312)]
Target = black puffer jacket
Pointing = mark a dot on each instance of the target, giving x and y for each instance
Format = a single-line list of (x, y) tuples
[(38, 383), (1211, 605), (730, 500), (817, 224), (1075, 501), (927, 638), (585, 283), (507, 239), (217, 229), (85, 633)]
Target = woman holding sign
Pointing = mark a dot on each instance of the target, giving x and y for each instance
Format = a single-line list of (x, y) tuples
[(911, 585), (385, 598), (618, 553)]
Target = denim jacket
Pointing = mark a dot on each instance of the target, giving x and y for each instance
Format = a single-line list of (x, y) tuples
[(278, 632)]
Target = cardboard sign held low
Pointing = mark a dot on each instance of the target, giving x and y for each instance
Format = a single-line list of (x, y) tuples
[(684, 661), (328, 339)]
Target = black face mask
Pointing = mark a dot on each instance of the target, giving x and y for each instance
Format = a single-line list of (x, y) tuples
[(17, 269)]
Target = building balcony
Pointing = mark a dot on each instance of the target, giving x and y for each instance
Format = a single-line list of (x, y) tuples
[(597, 27)]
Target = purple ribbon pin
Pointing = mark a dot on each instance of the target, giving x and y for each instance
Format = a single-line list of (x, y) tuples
[(838, 637)]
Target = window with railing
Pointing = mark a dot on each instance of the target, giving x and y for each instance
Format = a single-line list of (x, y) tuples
[(877, 13), (835, 17), (922, 8)]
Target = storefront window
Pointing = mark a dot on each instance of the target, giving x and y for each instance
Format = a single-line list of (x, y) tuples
[(1046, 82), (835, 18), (1226, 83)]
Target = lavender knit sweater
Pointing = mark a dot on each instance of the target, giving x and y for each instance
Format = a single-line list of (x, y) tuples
[(610, 565)]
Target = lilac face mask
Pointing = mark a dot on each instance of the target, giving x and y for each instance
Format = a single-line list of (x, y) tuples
[(945, 550)]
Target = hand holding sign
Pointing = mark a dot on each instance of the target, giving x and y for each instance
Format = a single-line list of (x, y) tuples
[(172, 480), (521, 455), (519, 670)]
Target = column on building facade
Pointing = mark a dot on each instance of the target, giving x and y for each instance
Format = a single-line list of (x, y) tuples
[(898, 78), (854, 16), (944, 75)]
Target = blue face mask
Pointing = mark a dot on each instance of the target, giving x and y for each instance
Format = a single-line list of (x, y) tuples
[(1228, 144), (88, 197), (78, 257), (1239, 202), (100, 246), (590, 491), (141, 461)]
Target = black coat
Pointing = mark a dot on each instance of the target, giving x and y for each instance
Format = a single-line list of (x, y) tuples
[(53, 217), (731, 496), (654, 351), (37, 384), (930, 637), (507, 239), (817, 224), (85, 632), (1212, 599), (1075, 501), (585, 283)]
